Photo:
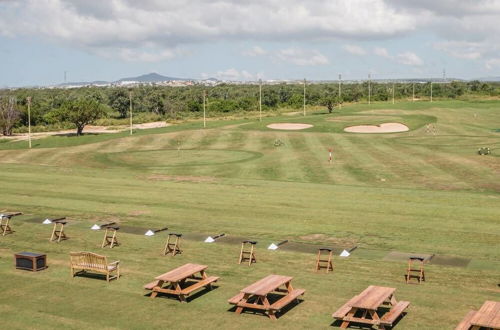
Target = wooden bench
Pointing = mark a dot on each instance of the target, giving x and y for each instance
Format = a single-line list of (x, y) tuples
[(277, 306), (465, 323), (236, 299), (151, 285), (342, 311), (88, 261), (392, 315), (207, 282)]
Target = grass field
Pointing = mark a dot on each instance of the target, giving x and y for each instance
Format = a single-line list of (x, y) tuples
[(422, 191)]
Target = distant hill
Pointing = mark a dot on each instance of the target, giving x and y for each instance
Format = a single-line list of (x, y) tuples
[(496, 79), (151, 77)]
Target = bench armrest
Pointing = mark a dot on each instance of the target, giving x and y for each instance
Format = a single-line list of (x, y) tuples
[(114, 262)]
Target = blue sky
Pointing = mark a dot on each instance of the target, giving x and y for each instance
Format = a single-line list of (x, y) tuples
[(240, 40)]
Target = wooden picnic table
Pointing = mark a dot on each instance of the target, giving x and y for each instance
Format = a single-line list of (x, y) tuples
[(256, 295), (364, 308), (181, 281), (488, 316)]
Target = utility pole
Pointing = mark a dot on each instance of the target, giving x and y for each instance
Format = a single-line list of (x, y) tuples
[(204, 109), (260, 99), (29, 120), (340, 91), (369, 88), (393, 93), (130, 111), (431, 91), (304, 97)]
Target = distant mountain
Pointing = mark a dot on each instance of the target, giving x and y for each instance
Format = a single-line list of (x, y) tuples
[(497, 79), (84, 83), (151, 77)]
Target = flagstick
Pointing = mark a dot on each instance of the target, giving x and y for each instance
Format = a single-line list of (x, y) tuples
[(29, 121)]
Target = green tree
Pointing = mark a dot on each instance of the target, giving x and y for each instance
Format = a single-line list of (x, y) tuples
[(9, 115), (81, 112), (119, 101)]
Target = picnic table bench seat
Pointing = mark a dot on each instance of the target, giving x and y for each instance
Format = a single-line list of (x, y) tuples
[(392, 315), (88, 261), (236, 299), (203, 283), (342, 311), (465, 323), (294, 294), (151, 285)]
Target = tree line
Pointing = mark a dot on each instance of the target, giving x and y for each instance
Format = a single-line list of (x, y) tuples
[(82, 106)]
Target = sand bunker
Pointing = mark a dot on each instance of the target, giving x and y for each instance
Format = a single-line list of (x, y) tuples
[(382, 128), (289, 126)]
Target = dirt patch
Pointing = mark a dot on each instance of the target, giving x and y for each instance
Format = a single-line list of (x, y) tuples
[(180, 178), (138, 212), (382, 128), (403, 256), (322, 238), (289, 126), (90, 129)]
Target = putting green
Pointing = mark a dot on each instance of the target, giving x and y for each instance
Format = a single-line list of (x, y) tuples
[(177, 158)]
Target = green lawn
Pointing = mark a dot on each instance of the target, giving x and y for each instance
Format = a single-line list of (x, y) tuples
[(422, 191)]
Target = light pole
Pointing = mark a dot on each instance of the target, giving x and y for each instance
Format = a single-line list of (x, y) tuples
[(204, 109), (340, 91), (431, 91), (369, 88), (393, 93), (29, 120), (130, 109), (260, 99), (304, 97)]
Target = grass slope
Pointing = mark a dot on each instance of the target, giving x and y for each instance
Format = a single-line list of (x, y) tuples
[(422, 191)]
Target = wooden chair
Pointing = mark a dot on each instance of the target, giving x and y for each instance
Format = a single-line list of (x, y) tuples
[(110, 237), (247, 253), (88, 261), (173, 246), (322, 263), (58, 234), (415, 271), (5, 223)]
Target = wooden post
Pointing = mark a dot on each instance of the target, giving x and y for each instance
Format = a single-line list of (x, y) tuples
[(304, 96), (204, 109), (29, 121), (130, 101), (260, 99)]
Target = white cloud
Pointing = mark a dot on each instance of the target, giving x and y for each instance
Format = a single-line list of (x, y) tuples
[(354, 49), (302, 57), (255, 51), (233, 75), (409, 58), (127, 24), (492, 63), (461, 49), (406, 58), (379, 51)]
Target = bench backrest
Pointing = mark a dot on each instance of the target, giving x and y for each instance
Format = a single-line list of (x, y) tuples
[(89, 259)]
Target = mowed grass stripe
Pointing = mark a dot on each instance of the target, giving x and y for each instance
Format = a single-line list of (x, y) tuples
[(309, 163), (360, 163)]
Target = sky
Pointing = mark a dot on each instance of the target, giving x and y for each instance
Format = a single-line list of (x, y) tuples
[(91, 40)]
